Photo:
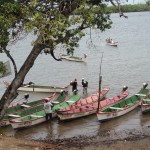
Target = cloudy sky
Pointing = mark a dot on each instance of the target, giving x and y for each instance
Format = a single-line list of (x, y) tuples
[(135, 1)]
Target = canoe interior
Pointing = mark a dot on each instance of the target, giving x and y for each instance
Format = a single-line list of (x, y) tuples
[(21, 107), (25, 112), (127, 102), (34, 116), (60, 98), (64, 104)]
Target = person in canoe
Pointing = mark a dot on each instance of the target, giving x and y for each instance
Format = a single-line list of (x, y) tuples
[(109, 40)]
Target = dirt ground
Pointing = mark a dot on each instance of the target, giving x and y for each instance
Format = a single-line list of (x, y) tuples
[(137, 139)]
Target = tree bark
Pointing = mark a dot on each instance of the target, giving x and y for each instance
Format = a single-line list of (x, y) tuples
[(11, 92)]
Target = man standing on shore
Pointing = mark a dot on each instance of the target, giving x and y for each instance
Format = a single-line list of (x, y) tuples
[(74, 85), (48, 109), (85, 86)]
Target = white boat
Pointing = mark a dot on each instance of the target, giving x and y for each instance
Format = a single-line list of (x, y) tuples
[(111, 43), (31, 87), (30, 120), (44, 89), (73, 58), (122, 107)]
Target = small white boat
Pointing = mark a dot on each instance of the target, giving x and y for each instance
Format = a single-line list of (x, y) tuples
[(31, 87), (111, 43), (44, 89), (73, 58)]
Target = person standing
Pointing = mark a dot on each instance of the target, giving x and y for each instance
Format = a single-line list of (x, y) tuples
[(48, 109), (74, 85), (85, 86)]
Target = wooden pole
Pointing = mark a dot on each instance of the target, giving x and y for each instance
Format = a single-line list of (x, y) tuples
[(100, 82)]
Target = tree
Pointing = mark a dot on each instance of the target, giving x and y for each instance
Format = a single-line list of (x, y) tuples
[(53, 22)]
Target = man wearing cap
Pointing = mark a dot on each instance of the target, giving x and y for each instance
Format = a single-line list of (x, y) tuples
[(48, 109)]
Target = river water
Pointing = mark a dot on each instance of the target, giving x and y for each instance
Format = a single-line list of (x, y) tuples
[(127, 64)]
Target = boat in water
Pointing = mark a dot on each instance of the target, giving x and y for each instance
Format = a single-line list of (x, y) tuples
[(73, 58), (110, 42), (89, 105), (24, 109), (31, 87), (30, 120), (122, 107)]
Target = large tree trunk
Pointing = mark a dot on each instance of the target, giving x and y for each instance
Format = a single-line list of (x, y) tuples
[(11, 92)]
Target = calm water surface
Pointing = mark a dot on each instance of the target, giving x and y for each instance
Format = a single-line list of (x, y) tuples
[(128, 64)]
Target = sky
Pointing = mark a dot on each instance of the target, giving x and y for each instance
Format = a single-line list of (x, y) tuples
[(135, 1)]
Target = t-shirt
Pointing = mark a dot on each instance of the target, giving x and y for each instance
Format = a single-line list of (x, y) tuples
[(47, 107)]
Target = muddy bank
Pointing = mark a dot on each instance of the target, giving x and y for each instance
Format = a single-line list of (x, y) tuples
[(132, 139), (109, 140)]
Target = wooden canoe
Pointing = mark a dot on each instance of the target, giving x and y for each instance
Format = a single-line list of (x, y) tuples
[(73, 58), (31, 107), (112, 44), (89, 106), (30, 120), (44, 89), (122, 107)]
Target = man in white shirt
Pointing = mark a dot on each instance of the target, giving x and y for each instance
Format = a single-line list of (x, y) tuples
[(48, 109)]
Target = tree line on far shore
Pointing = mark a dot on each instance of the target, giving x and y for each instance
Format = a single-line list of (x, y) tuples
[(131, 8)]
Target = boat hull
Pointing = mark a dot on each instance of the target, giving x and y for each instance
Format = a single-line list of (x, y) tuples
[(77, 111), (72, 58), (42, 89), (17, 124), (122, 107), (102, 116)]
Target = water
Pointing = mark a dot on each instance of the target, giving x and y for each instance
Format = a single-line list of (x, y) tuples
[(127, 64)]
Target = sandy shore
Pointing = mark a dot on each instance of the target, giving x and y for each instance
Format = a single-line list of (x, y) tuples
[(116, 140)]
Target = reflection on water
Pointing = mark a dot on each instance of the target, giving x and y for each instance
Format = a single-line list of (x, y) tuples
[(125, 65)]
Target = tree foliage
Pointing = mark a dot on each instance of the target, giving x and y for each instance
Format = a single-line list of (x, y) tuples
[(2, 68), (53, 22)]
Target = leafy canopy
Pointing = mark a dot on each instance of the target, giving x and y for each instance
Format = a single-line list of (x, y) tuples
[(57, 21)]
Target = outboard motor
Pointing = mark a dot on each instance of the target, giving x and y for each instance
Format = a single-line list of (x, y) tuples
[(145, 85), (124, 88), (62, 92)]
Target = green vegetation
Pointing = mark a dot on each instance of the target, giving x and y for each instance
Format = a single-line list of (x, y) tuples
[(131, 8), (2, 68)]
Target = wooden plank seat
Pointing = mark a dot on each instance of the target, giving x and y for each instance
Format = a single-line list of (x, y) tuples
[(12, 115), (27, 106), (116, 108), (146, 100), (36, 116), (129, 104), (55, 102), (140, 94), (70, 102)]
